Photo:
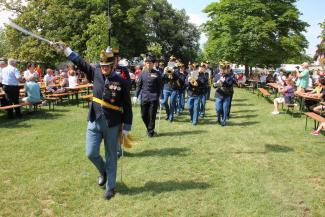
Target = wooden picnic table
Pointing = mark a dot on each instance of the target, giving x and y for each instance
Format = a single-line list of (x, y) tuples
[(275, 87), (305, 96), (76, 90)]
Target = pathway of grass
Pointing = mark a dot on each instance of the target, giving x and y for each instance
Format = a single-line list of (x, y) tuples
[(259, 165)]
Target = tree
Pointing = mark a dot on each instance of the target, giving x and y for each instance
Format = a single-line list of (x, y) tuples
[(155, 48), (4, 45), (83, 25), (254, 32)]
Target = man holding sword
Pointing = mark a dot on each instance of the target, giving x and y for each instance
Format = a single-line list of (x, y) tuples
[(111, 107)]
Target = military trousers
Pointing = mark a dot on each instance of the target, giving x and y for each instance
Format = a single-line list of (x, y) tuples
[(148, 114), (96, 132)]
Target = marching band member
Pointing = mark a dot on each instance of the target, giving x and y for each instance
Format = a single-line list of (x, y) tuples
[(111, 107), (203, 89), (223, 82), (180, 105), (193, 84), (149, 86), (171, 84)]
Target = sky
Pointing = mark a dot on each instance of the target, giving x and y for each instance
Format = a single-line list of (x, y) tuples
[(313, 12)]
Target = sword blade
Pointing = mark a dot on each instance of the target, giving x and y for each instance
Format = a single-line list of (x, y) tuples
[(21, 29)]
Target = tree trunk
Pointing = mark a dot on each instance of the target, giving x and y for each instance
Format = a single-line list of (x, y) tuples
[(246, 71)]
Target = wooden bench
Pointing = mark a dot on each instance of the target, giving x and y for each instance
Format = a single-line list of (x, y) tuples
[(264, 92), (60, 95), (317, 119), (51, 101), (4, 108)]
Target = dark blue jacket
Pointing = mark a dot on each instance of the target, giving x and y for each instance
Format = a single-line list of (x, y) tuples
[(193, 90), (226, 88), (182, 79), (204, 82), (112, 89), (149, 85), (171, 83)]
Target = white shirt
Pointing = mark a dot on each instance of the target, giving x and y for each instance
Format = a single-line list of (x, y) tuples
[(10, 76), (28, 73), (49, 79), (0, 75), (73, 81)]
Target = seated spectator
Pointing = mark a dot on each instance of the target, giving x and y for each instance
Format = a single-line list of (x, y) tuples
[(317, 132), (287, 98), (33, 91), (30, 72), (49, 79), (312, 105), (64, 82), (73, 78), (318, 88), (241, 79)]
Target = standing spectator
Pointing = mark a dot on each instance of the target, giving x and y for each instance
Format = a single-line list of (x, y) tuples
[(10, 81), (30, 72), (303, 78)]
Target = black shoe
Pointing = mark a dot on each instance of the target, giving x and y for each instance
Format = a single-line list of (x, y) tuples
[(102, 180), (109, 193), (167, 118)]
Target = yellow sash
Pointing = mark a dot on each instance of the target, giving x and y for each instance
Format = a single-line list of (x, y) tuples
[(107, 105)]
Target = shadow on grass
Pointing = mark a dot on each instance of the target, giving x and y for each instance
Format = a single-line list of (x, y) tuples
[(241, 104), (247, 123), (181, 133), (19, 122), (268, 148), (243, 111), (239, 100), (160, 187), (243, 116), (159, 152)]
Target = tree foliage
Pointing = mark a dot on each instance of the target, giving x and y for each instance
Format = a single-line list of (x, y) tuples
[(254, 32), (83, 25)]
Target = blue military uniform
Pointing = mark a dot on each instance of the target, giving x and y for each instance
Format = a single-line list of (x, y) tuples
[(181, 92), (149, 87), (204, 82), (104, 123), (171, 85), (224, 91), (193, 100)]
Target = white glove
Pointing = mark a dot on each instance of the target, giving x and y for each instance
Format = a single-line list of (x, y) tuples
[(125, 132), (134, 100)]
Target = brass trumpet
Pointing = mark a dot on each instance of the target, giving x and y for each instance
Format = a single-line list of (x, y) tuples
[(193, 78), (169, 72)]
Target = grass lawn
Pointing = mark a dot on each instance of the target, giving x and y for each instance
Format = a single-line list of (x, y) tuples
[(259, 165)]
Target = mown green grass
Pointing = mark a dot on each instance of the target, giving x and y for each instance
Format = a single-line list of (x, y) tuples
[(259, 165)]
